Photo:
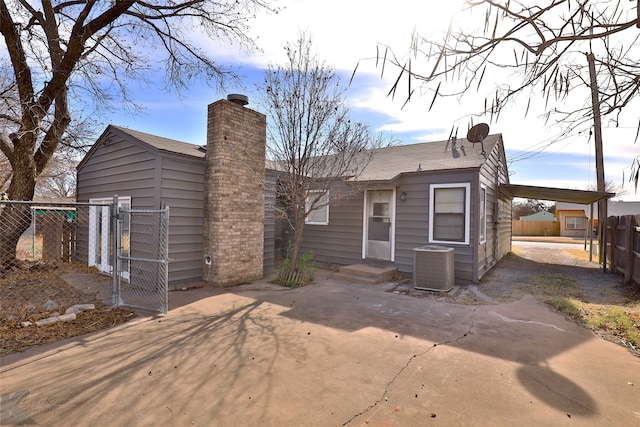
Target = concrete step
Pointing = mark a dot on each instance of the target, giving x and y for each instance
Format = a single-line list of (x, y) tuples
[(362, 273)]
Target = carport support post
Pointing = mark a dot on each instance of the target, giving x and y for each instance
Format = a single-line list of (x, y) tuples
[(597, 128), (590, 234)]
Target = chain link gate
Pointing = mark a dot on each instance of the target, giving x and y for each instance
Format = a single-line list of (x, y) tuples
[(50, 232), (141, 261)]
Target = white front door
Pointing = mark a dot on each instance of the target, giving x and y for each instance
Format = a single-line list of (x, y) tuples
[(100, 239), (379, 224)]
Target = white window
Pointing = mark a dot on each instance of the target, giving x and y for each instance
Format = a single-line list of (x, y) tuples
[(319, 215), (575, 223), (483, 214), (449, 213)]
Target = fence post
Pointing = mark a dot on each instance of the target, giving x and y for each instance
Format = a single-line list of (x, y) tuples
[(602, 244), (115, 244), (629, 250), (635, 222), (165, 257), (33, 232), (613, 255)]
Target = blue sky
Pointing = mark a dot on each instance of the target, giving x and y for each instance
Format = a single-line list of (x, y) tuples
[(348, 37)]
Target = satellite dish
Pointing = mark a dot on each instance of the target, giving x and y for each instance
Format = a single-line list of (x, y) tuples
[(477, 134)]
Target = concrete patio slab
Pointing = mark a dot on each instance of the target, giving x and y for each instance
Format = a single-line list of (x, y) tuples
[(329, 354)]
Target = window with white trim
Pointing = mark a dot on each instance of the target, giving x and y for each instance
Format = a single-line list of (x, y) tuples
[(575, 223), (449, 213), (320, 215), (483, 214)]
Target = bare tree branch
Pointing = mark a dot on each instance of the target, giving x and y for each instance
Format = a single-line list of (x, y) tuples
[(311, 140), (60, 52), (545, 43)]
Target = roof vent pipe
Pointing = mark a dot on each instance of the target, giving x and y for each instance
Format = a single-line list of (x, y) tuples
[(238, 99)]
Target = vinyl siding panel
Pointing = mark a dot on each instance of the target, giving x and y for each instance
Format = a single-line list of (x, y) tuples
[(498, 242), (153, 179), (412, 220), (119, 153), (181, 188), (140, 164), (339, 242), (121, 168)]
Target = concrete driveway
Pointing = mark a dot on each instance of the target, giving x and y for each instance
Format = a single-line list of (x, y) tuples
[(330, 354)]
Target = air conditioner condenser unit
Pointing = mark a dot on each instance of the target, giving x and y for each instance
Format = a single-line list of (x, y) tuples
[(433, 268)]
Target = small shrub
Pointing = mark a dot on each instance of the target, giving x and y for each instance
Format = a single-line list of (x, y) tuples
[(302, 275)]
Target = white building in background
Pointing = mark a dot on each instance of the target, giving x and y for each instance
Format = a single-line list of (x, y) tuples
[(575, 218)]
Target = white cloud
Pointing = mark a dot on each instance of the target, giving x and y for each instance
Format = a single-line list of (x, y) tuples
[(347, 33)]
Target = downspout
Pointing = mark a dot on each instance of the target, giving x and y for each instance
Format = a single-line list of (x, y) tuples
[(603, 249), (496, 214)]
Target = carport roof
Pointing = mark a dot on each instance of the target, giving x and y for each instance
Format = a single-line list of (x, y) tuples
[(583, 197)]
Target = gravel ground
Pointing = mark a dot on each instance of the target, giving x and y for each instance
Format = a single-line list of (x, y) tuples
[(519, 272), (516, 273)]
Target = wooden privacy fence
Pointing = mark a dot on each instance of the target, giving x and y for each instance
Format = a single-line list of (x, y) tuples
[(623, 247), (535, 228)]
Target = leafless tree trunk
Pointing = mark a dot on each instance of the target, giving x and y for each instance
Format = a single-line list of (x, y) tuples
[(318, 150), (62, 52)]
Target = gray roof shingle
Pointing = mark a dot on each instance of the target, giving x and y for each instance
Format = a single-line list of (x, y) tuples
[(389, 162), (386, 164), (164, 144)]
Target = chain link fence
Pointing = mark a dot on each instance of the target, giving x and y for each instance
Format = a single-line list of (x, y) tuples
[(129, 245), (143, 259), (39, 231)]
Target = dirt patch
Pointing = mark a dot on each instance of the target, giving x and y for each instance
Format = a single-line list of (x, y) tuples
[(531, 271), (25, 291)]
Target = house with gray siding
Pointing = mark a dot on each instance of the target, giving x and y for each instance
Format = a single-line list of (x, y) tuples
[(444, 193), (436, 193), (150, 172)]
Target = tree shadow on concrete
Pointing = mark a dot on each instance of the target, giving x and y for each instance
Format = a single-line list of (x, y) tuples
[(195, 353)]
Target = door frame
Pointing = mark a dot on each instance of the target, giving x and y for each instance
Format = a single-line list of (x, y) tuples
[(100, 209), (392, 218)]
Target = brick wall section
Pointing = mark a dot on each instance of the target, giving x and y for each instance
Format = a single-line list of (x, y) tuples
[(234, 194)]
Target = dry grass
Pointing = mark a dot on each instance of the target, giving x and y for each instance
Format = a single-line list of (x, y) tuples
[(618, 323), (546, 286), (23, 291)]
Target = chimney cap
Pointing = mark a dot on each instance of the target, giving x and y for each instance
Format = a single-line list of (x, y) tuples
[(238, 98)]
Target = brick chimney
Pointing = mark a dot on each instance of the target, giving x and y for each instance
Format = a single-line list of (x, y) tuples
[(234, 193)]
